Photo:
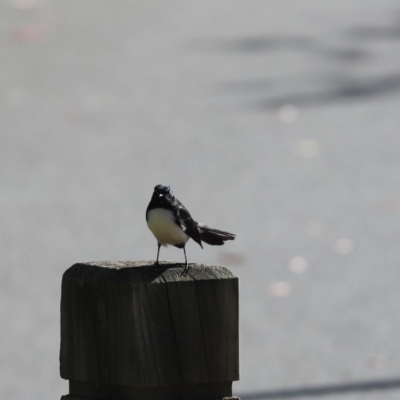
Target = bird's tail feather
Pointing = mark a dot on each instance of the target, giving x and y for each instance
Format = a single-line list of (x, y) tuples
[(214, 236)]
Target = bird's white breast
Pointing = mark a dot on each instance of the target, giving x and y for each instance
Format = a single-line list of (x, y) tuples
[(161, 222)]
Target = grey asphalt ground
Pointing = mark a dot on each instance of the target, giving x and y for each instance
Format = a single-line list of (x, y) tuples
[(277, 120)]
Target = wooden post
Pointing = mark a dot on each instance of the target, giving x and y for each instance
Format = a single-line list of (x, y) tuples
[(132, 330)]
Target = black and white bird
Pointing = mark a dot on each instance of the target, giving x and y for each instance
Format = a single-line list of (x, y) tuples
[(171, 223)]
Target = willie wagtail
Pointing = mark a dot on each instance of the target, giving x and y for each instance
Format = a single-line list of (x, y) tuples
[(171, 223)]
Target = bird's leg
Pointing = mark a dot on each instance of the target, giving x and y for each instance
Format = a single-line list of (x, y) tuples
[(158, 253), (186, 269)]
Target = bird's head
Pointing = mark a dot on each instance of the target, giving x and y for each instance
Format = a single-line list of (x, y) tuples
[(163, 191)]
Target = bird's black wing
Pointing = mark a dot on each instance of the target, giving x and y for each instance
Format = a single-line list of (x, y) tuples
[(188, 224)]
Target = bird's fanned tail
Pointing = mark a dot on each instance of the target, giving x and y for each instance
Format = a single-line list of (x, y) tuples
[(213, 236)]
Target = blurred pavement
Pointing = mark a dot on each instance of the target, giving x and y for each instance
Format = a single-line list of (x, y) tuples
[(276, 120)]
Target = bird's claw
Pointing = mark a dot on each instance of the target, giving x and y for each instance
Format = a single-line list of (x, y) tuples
[(185, 270)]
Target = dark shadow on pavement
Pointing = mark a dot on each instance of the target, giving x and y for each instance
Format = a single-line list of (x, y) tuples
[(345, 57), (355, 90), (357, 387)]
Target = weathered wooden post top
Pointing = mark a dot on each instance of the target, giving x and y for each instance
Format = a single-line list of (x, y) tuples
[(133, 330)]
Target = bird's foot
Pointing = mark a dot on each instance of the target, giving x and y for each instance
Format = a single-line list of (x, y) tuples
[(185, 270)]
